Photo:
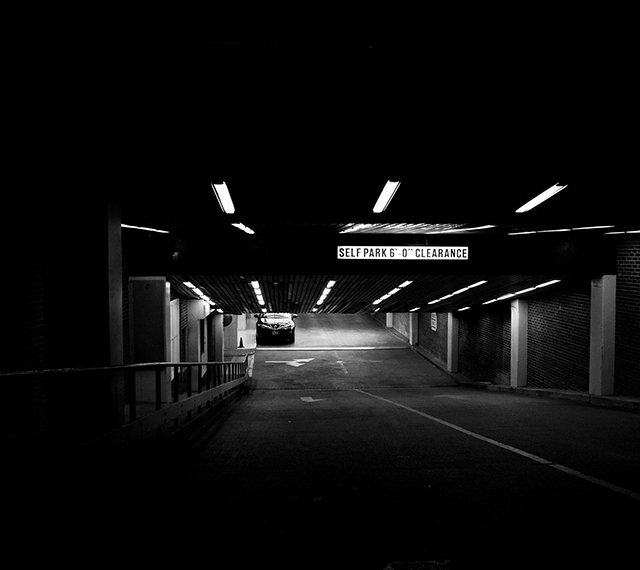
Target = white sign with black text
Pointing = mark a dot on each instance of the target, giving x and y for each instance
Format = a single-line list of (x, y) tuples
[(409, 252)]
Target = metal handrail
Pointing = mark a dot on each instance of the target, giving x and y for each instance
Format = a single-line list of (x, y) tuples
[(113, 368), (217, 382)]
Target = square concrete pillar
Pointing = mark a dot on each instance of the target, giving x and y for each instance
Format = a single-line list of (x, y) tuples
[(413, 329), (519, 348), (452, 342), (602, 336), (217, 340), (150, 333)]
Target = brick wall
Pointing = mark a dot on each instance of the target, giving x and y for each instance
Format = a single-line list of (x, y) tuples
[(558, 339), (627, 364), (485, 344), (434, 343), (401, 323)]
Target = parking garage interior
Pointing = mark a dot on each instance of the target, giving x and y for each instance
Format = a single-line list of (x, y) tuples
[(427, 402)]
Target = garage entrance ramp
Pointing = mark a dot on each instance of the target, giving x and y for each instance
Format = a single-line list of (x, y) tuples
[(334, 352)]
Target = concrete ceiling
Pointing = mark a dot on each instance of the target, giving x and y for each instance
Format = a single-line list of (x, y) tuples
[(306, 135)]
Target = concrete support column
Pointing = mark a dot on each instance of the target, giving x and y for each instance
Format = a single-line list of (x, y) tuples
[(197, 311), (389, 321), (231, 332), (519, 321), (602, 336), (218, 337), (413, 329), (150, 333), (452, 342), (83, 310)]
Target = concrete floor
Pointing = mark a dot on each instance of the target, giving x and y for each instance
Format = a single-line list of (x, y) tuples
[(344, 456), (347, 457)]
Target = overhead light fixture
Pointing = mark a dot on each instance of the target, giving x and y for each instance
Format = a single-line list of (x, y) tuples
[(593, 228), (143, 228), (258, 293), (414, 309), (622, 232), (244, 228), (522, 291), (199, 292), (458, 230), (386, 195), (540, 198), (325, 293), (477, 284), (392, 292), (224, 198), (356, 227)]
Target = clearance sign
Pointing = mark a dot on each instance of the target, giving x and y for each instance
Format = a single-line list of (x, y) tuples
[(414, 252)]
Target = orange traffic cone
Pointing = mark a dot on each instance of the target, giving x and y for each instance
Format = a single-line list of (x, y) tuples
[(241, 344)]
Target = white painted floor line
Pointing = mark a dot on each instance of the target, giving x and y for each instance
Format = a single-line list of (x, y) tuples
[(531, 456)]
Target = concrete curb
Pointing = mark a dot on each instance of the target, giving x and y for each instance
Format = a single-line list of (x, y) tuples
[(617, 402)]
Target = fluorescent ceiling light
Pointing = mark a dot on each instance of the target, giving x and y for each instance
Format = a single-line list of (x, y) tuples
[(224, 198), (392, 292), (356, 227), (244, 228), (145, 229), (540, 198), (386, 195), (258, 293), (592, 228), (199, 292), (464, 309), (325, 293), (455, 230), (414, 309), (522, 291), (477, 284)]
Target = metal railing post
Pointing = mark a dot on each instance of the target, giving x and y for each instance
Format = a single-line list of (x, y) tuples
[(176, 383), (158, 388), (132, 398)]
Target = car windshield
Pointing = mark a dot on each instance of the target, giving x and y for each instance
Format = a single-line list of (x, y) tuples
[(276, 317)]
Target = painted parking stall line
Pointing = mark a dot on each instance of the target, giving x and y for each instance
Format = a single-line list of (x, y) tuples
[(538, 459)]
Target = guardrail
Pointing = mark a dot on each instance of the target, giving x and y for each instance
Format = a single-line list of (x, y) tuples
[(173, 399)]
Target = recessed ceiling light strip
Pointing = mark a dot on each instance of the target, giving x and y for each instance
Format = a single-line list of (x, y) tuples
[(392, 292), (145, 229), (244, 228), (258, 293), (522, 291), (324, 295), (477, 284), (199, 292)]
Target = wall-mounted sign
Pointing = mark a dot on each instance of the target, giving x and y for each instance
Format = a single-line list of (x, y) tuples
[(413, 252), (434, 321)]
